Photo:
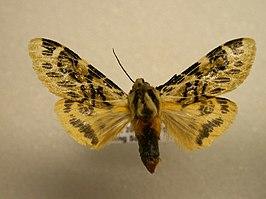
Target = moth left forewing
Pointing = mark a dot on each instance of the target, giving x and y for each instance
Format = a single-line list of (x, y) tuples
[(91, 126), (65, 74), (197, 125)]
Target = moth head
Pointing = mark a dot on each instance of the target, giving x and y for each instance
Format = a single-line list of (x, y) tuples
[(144, 100)]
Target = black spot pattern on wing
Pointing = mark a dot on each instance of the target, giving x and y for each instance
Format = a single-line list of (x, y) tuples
[(224, 105), (47, 65), (206, 107), (84, 128), (70, 77), (192, 69), (49, 46), (95, 73), (220, 71), (208, 128), (177, 79), (216, 53), (235, 45), (67, 106), (85, 109)]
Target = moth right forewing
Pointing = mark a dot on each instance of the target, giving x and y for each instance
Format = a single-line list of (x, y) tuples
[(220, 71)]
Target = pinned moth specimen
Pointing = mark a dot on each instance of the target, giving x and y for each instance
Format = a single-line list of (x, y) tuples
[(94, 110)]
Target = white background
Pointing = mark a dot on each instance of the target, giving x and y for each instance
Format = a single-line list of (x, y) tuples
[(154, 40)]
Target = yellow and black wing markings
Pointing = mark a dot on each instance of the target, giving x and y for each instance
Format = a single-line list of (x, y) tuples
[(220, 71), (193, 115), (89, 125), (196, 125), (68, 76), (94, 109)]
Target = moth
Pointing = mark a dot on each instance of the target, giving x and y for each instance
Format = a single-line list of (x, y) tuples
[(94, 110)]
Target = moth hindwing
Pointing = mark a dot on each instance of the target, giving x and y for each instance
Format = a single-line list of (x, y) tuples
[(94, 109)]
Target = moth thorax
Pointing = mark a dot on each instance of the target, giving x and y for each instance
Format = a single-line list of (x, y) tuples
[(144, 100)]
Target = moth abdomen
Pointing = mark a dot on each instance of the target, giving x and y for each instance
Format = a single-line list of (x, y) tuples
[(148, 135), (149, 148)]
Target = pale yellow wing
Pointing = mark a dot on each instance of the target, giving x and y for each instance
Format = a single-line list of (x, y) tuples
[(197, 125), (220, 71), (91, 126), (67, 75)]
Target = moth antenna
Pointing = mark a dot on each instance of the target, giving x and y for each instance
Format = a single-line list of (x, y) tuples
[(122, 66)]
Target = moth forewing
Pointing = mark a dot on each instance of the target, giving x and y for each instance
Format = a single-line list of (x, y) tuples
[(67, 75), (220, 71)]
